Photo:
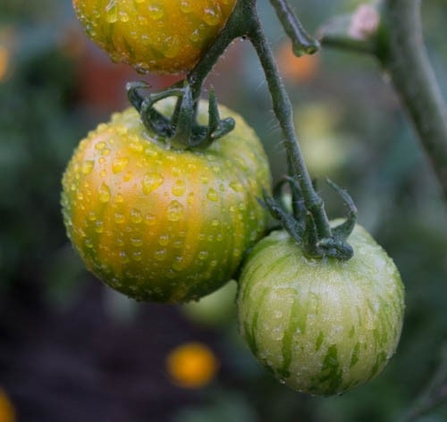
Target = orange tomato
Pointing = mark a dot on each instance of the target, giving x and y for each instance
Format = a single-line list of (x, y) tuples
[(157, 36)]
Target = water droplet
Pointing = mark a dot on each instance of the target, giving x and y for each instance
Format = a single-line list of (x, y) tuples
[(190, 198), (100, 145), (150, 152), (278, 334), (119, 164), (203, 255), (111, 12), (163, 240), (136, 146), (237, 186), (185, 6), (118, 218), (136, 216), (212, 195), (178, 263), (172, 47), (151, 181), (175, 211), (195, 36), (87, 166), (156, 11), (128, 176), (161, 254), (277, 314), (137, 256), (88, 243), (136, 242), (212, 17), (91, 216), (149, 219), (179, 188), (178, 244), (99, 226), (104, 193), (119, 198), (124, 17), (215, 222), (105, 152)]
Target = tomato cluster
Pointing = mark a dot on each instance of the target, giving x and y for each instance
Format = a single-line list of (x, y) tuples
[(172, 225)]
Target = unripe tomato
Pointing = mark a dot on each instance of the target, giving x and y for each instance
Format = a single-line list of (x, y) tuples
[(321, 326), (215, 310), (160, 224), (158, 36)]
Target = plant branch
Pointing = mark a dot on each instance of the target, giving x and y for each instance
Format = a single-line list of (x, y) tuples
[(283, 112), (434, 394), (402, 54)]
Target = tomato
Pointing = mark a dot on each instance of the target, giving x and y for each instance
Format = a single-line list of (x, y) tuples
[(160, 224), (215, 310), (158, 36), (321, 326)]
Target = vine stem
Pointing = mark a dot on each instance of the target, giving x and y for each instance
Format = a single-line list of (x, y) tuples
[(245, 22), (283, 111), (434, 395), (403, 55)]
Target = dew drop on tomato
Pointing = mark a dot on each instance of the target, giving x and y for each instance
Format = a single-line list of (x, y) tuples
[(175, 211)]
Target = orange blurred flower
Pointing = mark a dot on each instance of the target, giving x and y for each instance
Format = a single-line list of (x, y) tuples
[(191, 365), (296, 69), (7, 410)]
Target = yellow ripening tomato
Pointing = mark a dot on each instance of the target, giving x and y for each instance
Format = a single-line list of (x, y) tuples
[(160, 224), (157, 36)]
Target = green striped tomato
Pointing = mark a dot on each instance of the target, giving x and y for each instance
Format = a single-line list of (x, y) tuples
[(321, 326), (159, 224)]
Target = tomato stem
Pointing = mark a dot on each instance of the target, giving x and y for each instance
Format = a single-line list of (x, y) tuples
[(283, 111), (302, 42), (308, 224), (314, 233), (398, 44), (401, 48)]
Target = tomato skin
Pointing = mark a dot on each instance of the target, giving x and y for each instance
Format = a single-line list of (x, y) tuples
[(159, 224), (164, 36), (322, 327)]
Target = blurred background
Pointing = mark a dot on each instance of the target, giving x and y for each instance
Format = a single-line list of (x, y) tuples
[(73, 350)]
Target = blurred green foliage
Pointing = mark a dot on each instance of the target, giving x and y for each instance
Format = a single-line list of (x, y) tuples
[(346, 107)]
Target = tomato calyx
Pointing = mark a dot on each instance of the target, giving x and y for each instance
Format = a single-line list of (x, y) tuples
[(299, 222), (181, 130)]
